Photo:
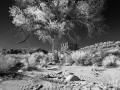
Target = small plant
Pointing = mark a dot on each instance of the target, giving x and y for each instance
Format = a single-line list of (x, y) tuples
[(31, 61), (9, 64), (50, 56), (109, 61), (78, 57)]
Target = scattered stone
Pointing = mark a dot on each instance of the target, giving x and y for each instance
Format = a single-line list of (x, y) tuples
[(59, 72), (20, 71), (50, 63), (83, 82), (67, 64), (96, 88), (71, 77), (54, 68)]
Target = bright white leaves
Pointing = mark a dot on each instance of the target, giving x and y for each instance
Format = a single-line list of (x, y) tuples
[(61, 2), (53, 26), (44, 36), (46, 10), (18, 17), (57, 27), (62, 5), (36, 12), (83, 7)]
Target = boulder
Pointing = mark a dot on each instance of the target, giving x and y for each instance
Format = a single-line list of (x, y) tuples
[(54, 68), (72, 77), (67, 64)]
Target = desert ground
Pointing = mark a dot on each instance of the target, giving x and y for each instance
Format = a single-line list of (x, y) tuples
[(102, 74)]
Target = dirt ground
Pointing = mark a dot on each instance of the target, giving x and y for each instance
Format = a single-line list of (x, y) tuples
[(109, 75)]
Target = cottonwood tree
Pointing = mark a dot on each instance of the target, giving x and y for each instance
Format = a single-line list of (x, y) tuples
[(51, 19)]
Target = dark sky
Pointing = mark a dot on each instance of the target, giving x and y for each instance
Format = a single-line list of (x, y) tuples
[(7, 34)]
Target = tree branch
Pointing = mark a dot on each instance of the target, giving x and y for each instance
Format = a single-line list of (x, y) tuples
[(27, 37)]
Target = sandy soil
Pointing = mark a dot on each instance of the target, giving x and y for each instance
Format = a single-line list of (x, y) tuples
[(109, 75)]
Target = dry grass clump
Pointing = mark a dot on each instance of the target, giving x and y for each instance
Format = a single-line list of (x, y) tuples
[(100, 54), (34, 59), (81, 57), (9, 67), (7, 64), (111, 61)]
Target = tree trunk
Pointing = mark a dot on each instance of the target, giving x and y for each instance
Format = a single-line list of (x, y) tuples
[(53, 45)]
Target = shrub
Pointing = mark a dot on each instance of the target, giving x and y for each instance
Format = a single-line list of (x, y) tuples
[(44, 61), (26, 63), (109, 61), (118, 62), (7, 64), (50, 56), (78, 57), (68, 58), (35, 58), (62, 58), (87, 62), (31, 61)]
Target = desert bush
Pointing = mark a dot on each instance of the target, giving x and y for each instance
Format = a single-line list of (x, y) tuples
[(35, 58), (25, 63), (78, 57), (50, 56), (45, 60), (7, 64), (31, 61), (109, 61), (87, 62), (68, 58), (117, 62), (62, 57)]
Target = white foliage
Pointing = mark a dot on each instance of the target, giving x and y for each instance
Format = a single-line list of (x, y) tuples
[(58, 26), (50, 56), (61, 2), (83, 7), (49, 21), (36, 12), (118, 62), (32, 59), (78, 55), (18, 17), (109, 59)]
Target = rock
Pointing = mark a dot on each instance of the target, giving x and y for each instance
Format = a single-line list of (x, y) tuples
[(85, 88), (20, 71), (83, 82), (67, 64), (71, 77), (38, 66), (54, 68), (95, 88), (60, 72), (50, 63)]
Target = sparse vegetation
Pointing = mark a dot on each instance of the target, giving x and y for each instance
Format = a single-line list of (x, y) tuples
[(92, 63), (7, 63)]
